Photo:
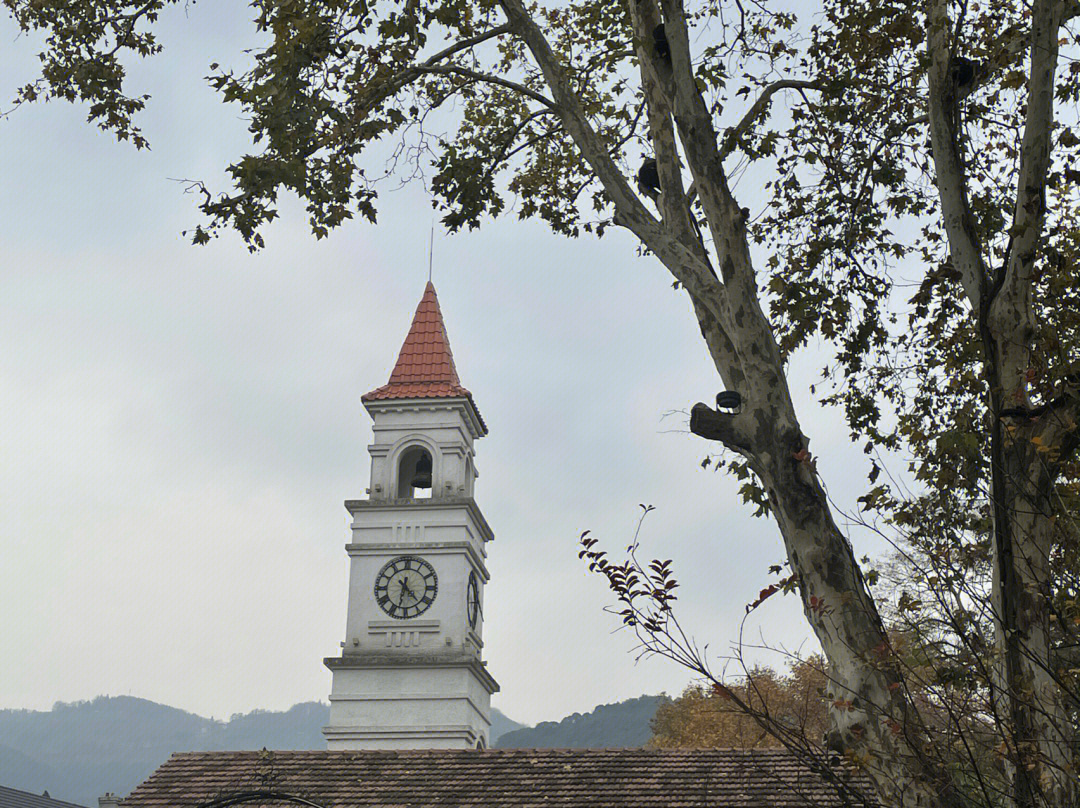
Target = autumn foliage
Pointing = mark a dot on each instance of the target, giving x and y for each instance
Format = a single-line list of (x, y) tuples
[(706, 716)]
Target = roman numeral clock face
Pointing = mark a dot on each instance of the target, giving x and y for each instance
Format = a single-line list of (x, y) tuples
[(406, 587)]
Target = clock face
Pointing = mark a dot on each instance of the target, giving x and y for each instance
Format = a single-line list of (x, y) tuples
[(472, 600), (406, 587)]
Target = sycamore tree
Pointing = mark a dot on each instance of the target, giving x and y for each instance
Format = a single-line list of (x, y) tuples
[(898, 144)]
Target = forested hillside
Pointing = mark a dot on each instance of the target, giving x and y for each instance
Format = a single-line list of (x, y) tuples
[(624, 724), (79, 751)]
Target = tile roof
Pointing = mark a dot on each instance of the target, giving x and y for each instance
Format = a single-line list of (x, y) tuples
[(501, 778), (13, 798), (425, 366)]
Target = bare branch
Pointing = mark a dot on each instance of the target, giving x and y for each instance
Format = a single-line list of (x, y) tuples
[(264, 795), (733, 135), (401, 79), (485, 78), (465, 44)]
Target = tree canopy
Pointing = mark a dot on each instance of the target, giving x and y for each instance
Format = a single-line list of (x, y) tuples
[(704, 716)]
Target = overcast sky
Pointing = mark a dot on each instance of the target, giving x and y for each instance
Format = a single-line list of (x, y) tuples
[(179, 426)]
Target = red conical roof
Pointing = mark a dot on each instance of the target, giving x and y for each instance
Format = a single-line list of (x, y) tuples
[(425, 366)]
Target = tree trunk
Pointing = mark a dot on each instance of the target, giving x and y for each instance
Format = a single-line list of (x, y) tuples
[(1028, 690), (876, 724), (1025, 452)]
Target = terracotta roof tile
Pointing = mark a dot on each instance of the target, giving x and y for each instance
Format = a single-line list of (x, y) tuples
[(425, 366), (505, 778)]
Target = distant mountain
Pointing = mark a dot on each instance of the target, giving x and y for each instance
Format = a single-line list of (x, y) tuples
[(79, 751), (15, 767), (624, 724), (500, 725)]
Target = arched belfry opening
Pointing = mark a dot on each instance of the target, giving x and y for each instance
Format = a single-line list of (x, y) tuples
[(415, 471)]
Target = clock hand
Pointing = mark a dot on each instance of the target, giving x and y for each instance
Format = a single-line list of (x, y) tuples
[(406, 591)]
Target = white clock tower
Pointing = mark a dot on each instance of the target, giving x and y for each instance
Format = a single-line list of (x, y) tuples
[(410, 674)]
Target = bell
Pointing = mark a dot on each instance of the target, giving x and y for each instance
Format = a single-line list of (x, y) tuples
[(422, 477)]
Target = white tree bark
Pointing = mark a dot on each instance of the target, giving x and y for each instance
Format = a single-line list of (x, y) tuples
[(1027, 694)]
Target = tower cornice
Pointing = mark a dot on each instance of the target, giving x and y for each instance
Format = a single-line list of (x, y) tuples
[(423, 547), (376, 659), (355, 506), (423, 404)]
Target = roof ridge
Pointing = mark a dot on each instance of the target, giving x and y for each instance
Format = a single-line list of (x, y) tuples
[(520, 750), (513, 778)]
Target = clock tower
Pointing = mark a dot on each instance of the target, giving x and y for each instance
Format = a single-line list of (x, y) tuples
[(410, 674)]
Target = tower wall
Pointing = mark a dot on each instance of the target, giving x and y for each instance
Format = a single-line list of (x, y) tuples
[(416, 682), (433, 701)]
